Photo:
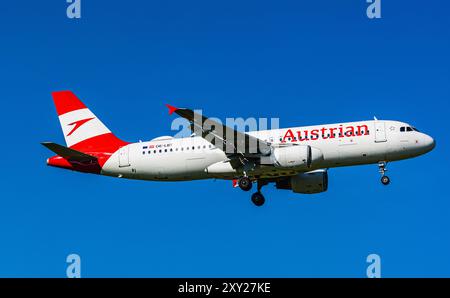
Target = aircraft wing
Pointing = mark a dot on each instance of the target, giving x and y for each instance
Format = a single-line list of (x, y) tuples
[(69, 154), (232, 141)]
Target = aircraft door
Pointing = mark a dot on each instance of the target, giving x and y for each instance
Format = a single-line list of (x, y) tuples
[(380, 132), (124, 156)]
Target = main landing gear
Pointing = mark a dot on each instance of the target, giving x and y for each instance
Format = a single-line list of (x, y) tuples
[(246, 184), (382, 167), (258, 199)]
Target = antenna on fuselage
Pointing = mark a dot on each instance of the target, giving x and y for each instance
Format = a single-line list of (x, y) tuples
[(375, 118)]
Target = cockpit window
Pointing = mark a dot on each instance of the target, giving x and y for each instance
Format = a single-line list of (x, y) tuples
[(408, 128)]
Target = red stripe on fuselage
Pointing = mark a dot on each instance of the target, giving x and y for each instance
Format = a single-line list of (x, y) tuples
[(61, 162), (105, 143), (102, 147)]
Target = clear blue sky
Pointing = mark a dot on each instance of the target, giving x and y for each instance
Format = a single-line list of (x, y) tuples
[(306, 62)]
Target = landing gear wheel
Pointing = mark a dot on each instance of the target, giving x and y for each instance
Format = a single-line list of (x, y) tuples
[(245, 183), (385, 180), (258, 199), (382, 169)]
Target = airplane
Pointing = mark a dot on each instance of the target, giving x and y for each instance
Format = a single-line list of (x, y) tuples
[(296, 158)]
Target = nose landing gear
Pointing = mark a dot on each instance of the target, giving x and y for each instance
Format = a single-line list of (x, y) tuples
[(382, 167), (385, 180)]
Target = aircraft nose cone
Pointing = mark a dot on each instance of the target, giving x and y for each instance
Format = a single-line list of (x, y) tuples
[(433, 144), (429, 143)]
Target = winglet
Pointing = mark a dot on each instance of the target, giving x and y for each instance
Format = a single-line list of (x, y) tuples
[(171, 109)]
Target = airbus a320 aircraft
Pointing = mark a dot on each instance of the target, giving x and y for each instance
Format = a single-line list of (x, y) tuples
[(295, 159)]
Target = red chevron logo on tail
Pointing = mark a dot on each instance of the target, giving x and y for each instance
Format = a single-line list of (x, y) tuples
[(78, 124)]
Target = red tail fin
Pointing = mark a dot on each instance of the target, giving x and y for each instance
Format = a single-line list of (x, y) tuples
[(83, 131)]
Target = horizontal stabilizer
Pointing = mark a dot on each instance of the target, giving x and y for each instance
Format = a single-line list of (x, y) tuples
[(69, 154)]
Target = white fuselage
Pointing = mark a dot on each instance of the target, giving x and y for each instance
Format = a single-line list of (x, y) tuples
[(343, 144)]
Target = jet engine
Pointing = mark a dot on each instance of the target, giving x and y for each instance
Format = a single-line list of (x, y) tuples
[(295, 156), (306, 183)]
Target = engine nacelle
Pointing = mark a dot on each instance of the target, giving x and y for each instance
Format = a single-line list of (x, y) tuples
[(306, 183), (295, 156)]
